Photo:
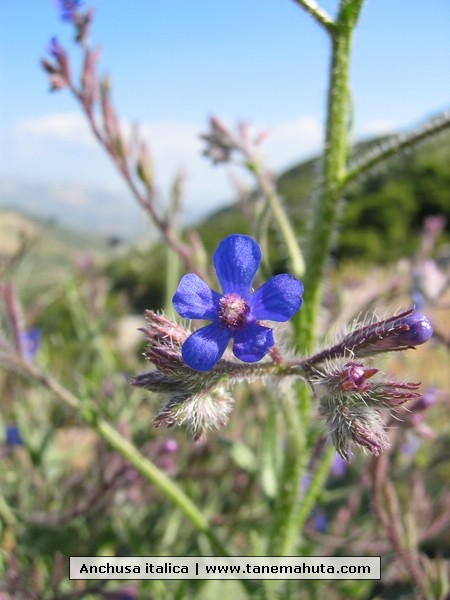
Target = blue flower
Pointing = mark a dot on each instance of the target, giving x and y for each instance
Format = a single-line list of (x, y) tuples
[(69, 9), (235, 314), (29, 343), (339, 466), (319, 520), (55, 49), (12, 436)]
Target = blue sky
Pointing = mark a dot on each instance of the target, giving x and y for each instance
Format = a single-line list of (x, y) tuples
[(175, 62)]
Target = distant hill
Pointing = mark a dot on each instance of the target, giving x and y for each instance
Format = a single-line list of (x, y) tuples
[(381, 215), (43, 252), (380, 218), (75, 207)]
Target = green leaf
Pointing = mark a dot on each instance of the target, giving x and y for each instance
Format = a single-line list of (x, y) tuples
[(243, 457)]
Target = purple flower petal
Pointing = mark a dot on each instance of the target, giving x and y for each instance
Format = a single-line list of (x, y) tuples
[(13, 437), (55, 49), (236, 260), (252, 342), (194, 300), (339, 466), (69, 8), (205, 347), (419, 332), (29, 343), (277, 299)]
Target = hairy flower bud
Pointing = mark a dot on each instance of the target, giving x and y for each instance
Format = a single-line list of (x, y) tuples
[(144, 166), (220, 143), (59, 71), (198, 400), (351, 400), (82, 22), (407, 330), (399, 332), (349, 425)]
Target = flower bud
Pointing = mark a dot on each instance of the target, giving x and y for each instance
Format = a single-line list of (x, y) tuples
[(429, 399), (351, 400), (198, 400), (144, 166), (399, 332), (220, 142), (349, 425), (83, 23)]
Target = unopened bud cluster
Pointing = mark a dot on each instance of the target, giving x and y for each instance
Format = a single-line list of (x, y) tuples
[(353, 396), (199, 400), (351, 401)]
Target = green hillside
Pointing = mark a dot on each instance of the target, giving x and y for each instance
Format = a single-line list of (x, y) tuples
[(381, 216), (42, 252)]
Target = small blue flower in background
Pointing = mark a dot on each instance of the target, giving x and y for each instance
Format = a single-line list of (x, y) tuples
[(339, 466), (69, 8), (12, 436), (319, 520), (234, 313), (55, 49), (29, 343)]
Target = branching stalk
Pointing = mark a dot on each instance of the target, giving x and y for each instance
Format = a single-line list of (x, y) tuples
[(317, 252), (375, 157), (318, 13)]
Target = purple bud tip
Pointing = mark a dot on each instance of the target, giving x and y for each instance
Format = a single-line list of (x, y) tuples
[(170, 446), (12, 436), (428, 400), (419, 330), (55, 49)]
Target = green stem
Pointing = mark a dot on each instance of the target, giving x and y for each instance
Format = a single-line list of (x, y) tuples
[(6, 513), (319, 14), (289, 516), (284, 224), (173, 261), (314, 490), (126, 449), (160, 480), (173, 264), (383, 152), (333, 173), (293, 468)]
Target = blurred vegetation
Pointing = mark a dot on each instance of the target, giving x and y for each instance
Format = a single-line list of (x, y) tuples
[(381, 218)]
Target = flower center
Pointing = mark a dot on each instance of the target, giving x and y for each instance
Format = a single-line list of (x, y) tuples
[(233, 311)]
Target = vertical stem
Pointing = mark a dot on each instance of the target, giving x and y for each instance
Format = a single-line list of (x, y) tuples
[(297, 266), (173, 263), (333, 172), (289, 514), (289, 484)]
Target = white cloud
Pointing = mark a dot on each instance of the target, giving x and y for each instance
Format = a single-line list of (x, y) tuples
[(293, 140), (71, 195), (71, 127), (60, 147), (378, 127)]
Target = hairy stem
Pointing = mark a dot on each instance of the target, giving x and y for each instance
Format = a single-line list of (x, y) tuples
[(375, 157), (333, 173), (127, 450), (318, 13), (317, 251), (284, 224)]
